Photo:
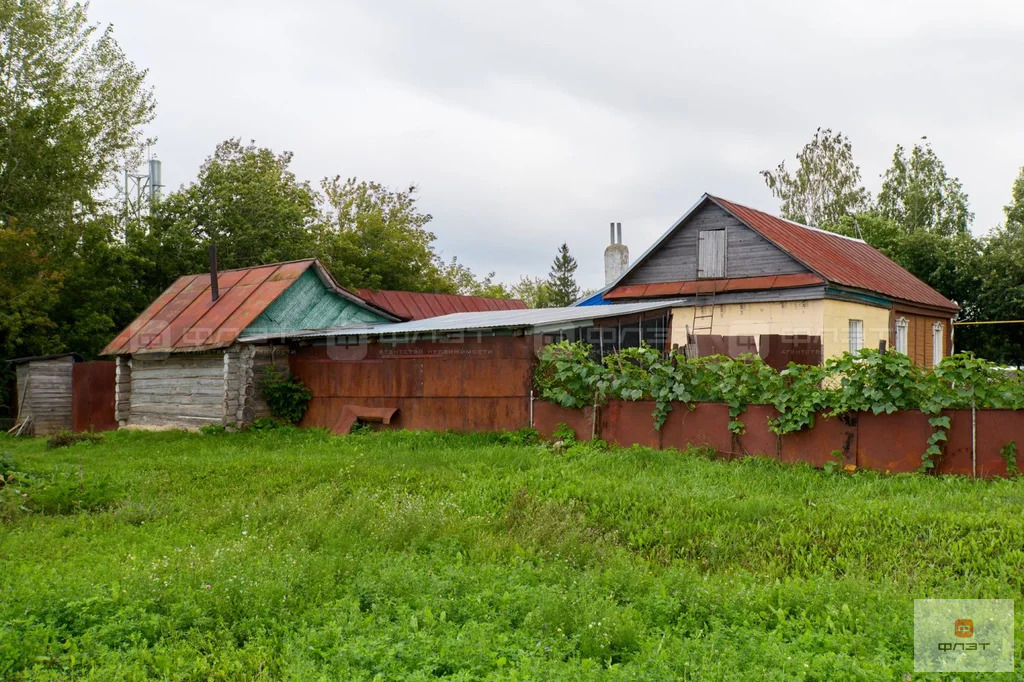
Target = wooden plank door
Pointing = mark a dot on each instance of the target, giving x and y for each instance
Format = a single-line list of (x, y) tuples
[(711, 253)]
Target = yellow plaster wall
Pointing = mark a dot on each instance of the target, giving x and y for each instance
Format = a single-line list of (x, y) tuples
[(835, 336), (827, 318), (754, 319)]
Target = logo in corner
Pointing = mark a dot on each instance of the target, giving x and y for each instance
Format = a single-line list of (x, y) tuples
[(963, 627)]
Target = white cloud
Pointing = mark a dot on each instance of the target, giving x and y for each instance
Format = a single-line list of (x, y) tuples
[(526, 124)]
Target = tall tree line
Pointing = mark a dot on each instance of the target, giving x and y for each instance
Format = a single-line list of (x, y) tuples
[(921, 219), (76, 266)]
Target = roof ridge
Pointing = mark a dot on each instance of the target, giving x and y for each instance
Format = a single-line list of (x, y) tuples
[(261, 265), (791, 222)]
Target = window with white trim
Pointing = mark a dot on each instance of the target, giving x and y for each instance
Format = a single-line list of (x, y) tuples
[(901, 334), (937, 334), (856, 335)]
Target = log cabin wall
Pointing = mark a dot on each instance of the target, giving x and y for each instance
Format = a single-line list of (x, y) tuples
[(189, 390), (182, 390), (244, 367)]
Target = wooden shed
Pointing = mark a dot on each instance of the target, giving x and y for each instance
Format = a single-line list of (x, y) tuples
[(44, 393), (179, 364), (184, 362)]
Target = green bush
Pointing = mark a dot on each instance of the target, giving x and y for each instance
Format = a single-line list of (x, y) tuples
[(63, 439), (286, 396), (523, 436)]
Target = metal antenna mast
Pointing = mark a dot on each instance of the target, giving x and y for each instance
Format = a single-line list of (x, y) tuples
[(142, 191)]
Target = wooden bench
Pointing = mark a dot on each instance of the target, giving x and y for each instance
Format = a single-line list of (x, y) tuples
[(350, 414)]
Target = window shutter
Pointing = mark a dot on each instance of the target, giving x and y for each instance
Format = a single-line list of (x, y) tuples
[(711, 253)]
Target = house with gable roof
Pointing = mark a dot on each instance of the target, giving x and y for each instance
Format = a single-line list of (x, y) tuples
[(744, 275)]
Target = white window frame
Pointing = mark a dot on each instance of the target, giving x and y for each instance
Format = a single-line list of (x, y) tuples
[(902, 332), (938, 342), (856, 335)]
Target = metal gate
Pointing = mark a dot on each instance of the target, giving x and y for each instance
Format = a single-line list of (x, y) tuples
[(92, 396)]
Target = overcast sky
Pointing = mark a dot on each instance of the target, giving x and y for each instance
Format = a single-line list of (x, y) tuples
[(527, 124)]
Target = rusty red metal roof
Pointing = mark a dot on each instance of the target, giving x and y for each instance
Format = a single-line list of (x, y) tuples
[(416, 305), (837, 259), (706, 286), (841, 260), (186, 318)]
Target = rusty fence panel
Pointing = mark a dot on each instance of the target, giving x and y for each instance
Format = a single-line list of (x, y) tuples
[(891, 443), (92, 396), (462, 384), (778, 350)]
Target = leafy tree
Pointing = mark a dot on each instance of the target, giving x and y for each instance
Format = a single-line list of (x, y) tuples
[(950, 264), (1001, 297), (1001, 286), (535, 292), (488, 288), (377, 238), (562, 287), (72, 112), (918, 194), (29, 288), (875, 229), (826, 184), (1015, 209), (247, 201), (458, 279), (72, 108), (106, 283)]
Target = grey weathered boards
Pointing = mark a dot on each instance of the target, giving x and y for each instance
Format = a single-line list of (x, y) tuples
[(44, 393), (711, 253), (189, 390), (747, 254)]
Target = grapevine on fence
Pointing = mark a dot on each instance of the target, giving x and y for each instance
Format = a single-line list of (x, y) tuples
[(868, 381)]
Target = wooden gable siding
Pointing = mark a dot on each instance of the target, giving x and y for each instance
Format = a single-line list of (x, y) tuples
[(748, 254), (308, 304)]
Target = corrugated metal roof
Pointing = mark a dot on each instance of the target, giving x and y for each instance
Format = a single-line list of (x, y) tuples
[(842, 260), (416, 305), (186, 318), (38, 358), (497, 319), (706, 286)]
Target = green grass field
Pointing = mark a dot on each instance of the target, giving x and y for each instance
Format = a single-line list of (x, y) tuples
[(299, 555)]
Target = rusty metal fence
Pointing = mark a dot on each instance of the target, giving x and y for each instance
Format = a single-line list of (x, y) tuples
[(891, 443)]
